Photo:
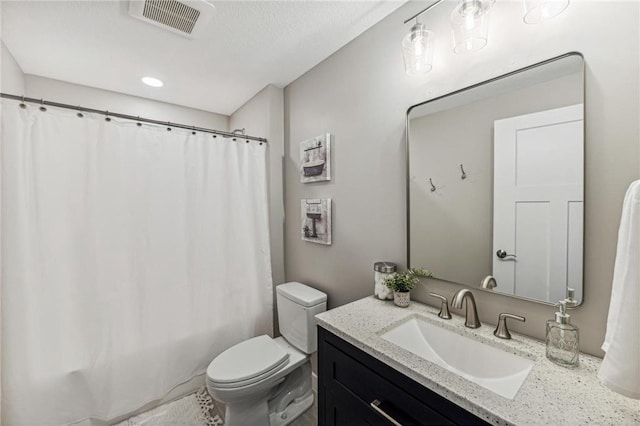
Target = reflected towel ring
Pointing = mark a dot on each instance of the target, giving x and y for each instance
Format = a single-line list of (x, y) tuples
[(433, 188), (464, 175)]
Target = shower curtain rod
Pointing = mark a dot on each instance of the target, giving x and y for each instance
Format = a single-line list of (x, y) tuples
[(131, 117)]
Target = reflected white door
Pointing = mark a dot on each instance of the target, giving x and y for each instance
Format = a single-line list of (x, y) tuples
[(538, 203)]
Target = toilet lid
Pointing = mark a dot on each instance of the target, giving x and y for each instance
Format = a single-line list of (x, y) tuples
[(246, 360)]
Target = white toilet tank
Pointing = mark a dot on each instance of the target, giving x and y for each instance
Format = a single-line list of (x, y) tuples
[(297, 304)]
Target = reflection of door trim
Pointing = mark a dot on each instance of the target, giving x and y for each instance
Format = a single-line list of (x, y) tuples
[(553, 202)]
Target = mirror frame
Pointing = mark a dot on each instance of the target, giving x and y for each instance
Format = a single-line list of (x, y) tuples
[(467, 88)]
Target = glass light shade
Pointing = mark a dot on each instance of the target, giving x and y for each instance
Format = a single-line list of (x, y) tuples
[(536, 11), (470, 25), (417, 50)]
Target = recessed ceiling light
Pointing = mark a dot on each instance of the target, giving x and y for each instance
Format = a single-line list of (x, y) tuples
[(153, 82)]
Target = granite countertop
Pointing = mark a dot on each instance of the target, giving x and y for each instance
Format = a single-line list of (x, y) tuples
[(551, 394)]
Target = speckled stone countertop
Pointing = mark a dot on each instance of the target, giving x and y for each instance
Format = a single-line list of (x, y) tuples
[(551, 394)]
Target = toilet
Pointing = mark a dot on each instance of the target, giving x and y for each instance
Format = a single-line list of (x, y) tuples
[(265, 381)]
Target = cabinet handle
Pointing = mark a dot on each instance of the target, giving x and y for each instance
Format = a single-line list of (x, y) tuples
[(375, 405)]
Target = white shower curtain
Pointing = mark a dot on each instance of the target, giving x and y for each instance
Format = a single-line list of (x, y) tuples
[(131, 257)]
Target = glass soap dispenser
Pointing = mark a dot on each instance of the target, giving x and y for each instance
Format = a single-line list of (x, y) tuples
[(562, 338)]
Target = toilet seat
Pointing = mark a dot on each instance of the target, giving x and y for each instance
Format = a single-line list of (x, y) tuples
[(247, 362)]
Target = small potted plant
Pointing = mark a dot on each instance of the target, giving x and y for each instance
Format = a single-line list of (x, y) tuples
[(403, 282)]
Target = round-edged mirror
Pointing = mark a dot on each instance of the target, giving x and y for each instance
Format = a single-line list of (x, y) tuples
[(495, 183)]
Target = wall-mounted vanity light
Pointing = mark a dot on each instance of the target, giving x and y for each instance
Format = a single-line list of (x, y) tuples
[(469, 29), (417, 50), (470, 25), (417, 46)]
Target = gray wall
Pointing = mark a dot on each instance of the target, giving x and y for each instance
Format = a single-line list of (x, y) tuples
[(454, 224), (360, 95), (12, 80), (76, 94), (263, 115)]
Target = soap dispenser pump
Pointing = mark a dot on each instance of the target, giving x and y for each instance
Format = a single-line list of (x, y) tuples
[(563, 338)]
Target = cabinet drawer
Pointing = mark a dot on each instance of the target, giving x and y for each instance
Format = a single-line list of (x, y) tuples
[(369, 386), (343, 408), (350, 380)]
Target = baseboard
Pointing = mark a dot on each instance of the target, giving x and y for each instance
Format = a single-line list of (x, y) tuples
[(314, 382)]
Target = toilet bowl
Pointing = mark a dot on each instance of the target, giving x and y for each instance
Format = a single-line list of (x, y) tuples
[(265, 381)]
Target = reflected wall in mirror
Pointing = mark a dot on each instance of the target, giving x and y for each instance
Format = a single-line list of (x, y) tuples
[(495, 182)]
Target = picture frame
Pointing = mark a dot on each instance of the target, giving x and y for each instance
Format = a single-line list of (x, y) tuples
[(316, 220), (315, 159)]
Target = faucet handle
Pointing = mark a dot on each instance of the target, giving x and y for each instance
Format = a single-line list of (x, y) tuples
[(444, 306), (501, 330)]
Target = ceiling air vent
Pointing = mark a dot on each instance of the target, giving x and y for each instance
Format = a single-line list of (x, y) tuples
[(187, 17)]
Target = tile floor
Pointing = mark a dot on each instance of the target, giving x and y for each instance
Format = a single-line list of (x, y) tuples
[(308, 418), (186, 412)]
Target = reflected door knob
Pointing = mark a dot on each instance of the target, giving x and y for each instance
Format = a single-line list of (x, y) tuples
[(503, 254)]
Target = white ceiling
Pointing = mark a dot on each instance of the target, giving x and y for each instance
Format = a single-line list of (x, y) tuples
[(248, 45)]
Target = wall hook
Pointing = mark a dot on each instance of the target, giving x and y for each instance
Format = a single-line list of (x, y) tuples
[(433, 188), (464, 175)]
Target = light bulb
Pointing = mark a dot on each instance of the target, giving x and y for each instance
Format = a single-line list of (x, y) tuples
[(469, 22)]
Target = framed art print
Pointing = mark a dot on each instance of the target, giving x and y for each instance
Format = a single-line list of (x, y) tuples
[(315, 159), (316, 220)]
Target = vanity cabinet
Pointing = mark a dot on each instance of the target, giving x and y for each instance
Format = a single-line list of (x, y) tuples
[(356, 389)]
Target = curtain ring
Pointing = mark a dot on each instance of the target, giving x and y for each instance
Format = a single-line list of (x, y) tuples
[(22, 104), (193, 130), (168, 126), (42, 107), (139, 124), (80, 114), (107, 118)]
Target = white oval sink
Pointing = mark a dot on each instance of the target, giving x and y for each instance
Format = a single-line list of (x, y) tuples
[(490, 367)]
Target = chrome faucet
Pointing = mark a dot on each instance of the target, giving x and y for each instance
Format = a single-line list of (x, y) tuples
[(488, 282), (501, 330), (471, 320)]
